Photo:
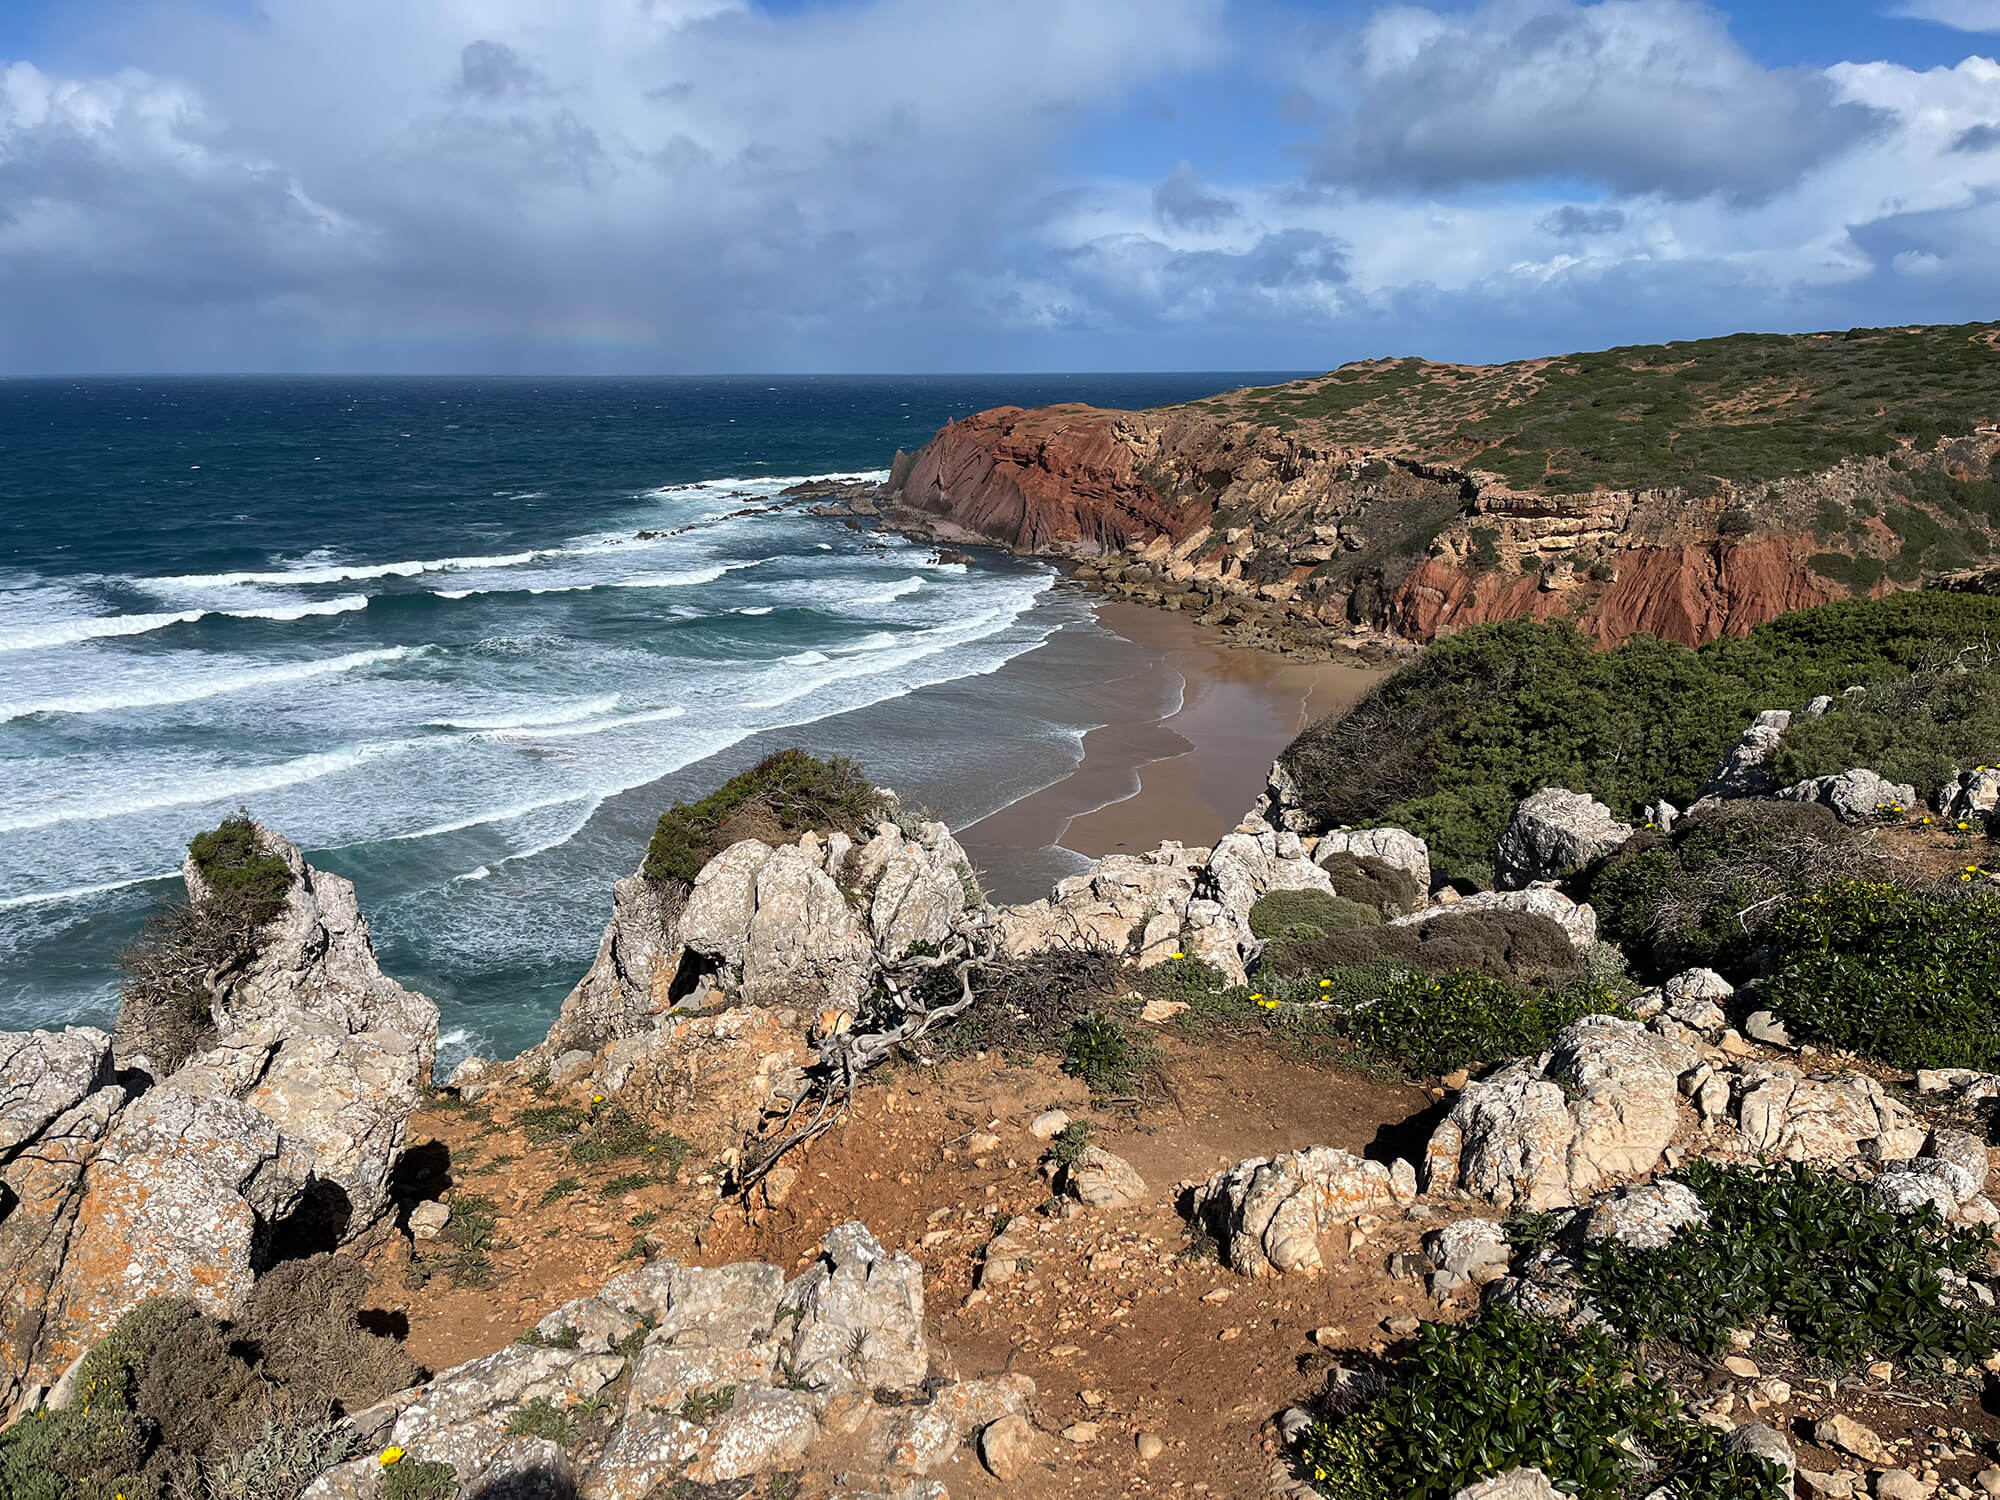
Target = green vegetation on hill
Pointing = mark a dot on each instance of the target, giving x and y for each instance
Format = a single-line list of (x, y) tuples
[(1910, 977), (782, 794), (1849, 1280), (1744, 408), (1447, 746), (1508, 1391)]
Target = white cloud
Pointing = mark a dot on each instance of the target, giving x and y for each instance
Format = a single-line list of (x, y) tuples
[(1964, 15), (1636, 95)]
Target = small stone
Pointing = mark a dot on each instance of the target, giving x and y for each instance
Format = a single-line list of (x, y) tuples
[(1402, 1327), (1883, 1371), (1900, 1484), (1850, 1436), (1159, 1012), (1081, 1433), (1743, 1369), (1457, 1078), (1150, 1445), (427, 1219), (1009, 1446), (1229, 1335), (1107, 1260), (1988, 1480), (1763, 1026), (984, 1143), (1837, 1485), (1048, 1125), (1220, 1294), (1329, 1337)]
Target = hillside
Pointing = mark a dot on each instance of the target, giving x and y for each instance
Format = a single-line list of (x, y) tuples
[(1686, 490)]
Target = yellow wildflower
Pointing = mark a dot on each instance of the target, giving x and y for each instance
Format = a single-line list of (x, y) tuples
[(1180, 955), (391, 1456)]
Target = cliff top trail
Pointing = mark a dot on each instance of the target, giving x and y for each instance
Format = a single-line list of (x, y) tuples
[(1686, 490)]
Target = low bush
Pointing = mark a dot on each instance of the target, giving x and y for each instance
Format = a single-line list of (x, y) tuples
[(1508, 1391), (785, 793), (1430, 1024), (1908, 977), (1706, 895), (1449, 744), (187, 948), (1374, 883), (1499, 944), (415, 1479), (1922, 729), (1024, 1007), (1848, 1279), (173, 1403), (1288, 916), (1109, 1056)]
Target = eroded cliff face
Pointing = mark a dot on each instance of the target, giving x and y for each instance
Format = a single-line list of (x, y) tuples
[(1219, 515)]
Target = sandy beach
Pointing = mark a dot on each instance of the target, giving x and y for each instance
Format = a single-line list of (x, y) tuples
[(1187, 774)]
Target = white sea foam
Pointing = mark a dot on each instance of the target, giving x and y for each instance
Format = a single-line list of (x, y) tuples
[(880, 640), (587, 708), (807, 658), (192, 689), (77, 893), (208, 786), (759, 609), (894, 591), (595, 726), (55, 633), (346, 572)]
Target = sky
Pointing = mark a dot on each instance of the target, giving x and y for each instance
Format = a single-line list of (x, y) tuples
[(700, 186)]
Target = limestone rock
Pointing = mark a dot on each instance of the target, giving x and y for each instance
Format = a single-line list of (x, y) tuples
[(1783, 1114), (1507, 1140), (1646, 1217), (631, 980), (859, 1315), (428, 1219), (1109, 907), (1745, 769), (1271, 1215), (1976, 795), (1515, 1484), (711, 1076), (1553, 834), (1252, 862), (45, 1074), (1577, 920), (1857, 796), (1101, 1180), (316, 958), (1766, 1442), (921, 890), (1625, 1083)]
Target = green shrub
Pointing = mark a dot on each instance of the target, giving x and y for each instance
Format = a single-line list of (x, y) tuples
[(1905, 976), (1499, 944), (415, 1479), (1508, 1391), (1108, 1055), (1860, 574), (1706, 895), (1284, 915), (1374, 883), (1922, 729), (1446, 746), (1023, 1007), (541, 1418), (791, 791), (1736, 522), (1850, 1280), (170, 970), (1429, 1024)]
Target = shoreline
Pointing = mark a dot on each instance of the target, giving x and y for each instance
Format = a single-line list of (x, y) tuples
[(1187, 774)]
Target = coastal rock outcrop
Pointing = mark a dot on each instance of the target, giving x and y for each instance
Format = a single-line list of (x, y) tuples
[(733, 1372), (1576, 918), (1555, 833), (1273, 1215), (1858, 796), (291, 1119)]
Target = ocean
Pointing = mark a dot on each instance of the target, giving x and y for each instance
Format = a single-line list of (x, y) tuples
[(463, 640)]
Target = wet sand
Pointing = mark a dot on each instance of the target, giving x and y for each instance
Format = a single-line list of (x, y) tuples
[(1188, 739)]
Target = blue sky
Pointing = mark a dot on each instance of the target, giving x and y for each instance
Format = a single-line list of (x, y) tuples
[(694, 185)]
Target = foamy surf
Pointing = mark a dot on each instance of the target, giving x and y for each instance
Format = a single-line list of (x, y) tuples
[(194, 690), (59, 633)]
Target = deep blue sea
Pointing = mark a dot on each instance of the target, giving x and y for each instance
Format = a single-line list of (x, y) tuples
[(412, 624)]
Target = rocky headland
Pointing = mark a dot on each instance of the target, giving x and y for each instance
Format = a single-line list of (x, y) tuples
[(1685, 491)]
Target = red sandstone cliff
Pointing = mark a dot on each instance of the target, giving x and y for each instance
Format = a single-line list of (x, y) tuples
[(1208, 513)]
